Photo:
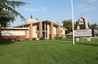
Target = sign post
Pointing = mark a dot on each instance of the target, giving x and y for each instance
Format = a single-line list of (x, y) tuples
[(86, 32), (72, 21)]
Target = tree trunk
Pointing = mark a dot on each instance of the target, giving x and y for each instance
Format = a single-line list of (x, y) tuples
[(0, 30)]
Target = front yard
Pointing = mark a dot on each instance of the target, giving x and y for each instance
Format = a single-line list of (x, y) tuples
[(49, 52)]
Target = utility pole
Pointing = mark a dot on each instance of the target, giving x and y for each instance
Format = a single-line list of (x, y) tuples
[(72, 21)]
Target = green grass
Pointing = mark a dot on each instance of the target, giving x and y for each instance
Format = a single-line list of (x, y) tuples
[(49, 52)]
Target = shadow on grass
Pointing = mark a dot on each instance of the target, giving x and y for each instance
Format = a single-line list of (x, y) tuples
[(69, 39), (88, 44), (6, 43)]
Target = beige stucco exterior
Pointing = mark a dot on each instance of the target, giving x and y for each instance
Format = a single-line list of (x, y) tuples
[(31, 20), (12, 33), (43, 29), (34, 31), (48, 31), (28, 34), (62, 30), (54, 30)]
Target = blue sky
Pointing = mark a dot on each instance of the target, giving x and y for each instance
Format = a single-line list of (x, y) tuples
[(58, 10)]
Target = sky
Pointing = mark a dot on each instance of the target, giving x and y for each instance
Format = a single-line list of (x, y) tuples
[(58, 10)]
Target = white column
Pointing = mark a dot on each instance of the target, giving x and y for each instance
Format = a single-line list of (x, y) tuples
[(72, 21), (45, 30)]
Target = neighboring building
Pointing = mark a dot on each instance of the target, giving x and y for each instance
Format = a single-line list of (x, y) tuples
[(95, 33), (70, 35), (13, 34), (40, 29)]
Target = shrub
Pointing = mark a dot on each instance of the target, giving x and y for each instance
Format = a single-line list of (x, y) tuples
[(42, 38), (24, 39), (33, 38), (58, 38)]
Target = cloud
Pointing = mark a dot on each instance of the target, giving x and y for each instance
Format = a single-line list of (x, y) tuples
[(31, 10), (92, 1), (85, 7), (90, 9), (36, 9)]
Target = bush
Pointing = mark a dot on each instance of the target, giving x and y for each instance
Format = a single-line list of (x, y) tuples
[(24, 39), (58, 38), (33, 38), (42, 38)]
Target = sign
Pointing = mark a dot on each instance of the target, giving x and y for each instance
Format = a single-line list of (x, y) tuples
[(85, 32), (13, 33), (81, 21)]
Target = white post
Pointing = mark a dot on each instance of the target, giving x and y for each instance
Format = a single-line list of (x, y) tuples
[(72, 21), (44, 30)]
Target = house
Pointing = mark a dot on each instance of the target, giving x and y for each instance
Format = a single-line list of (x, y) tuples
[(69, 35), (95, 33), (34, 28)]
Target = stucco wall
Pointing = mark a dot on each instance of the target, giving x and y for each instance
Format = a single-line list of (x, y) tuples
[(48, 30), (28, 34), (30, 20), (34, 31), (62, 30), (12, 33), (54, 31)]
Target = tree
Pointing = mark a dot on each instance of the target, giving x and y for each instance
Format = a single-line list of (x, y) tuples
[(94, 26), (8, 12), (68, 25)]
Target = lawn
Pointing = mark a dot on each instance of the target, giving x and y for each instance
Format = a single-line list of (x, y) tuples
[(49, 52)]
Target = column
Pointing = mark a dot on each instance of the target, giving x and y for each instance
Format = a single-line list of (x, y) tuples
[(26, 33), (86, 24), (40, 30), (87, 27), (58, 31), (51, 29), (77, 38), (31, 31), (88, 38), (78, 28), (45, 27)]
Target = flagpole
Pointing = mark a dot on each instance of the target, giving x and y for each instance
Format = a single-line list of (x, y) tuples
[(72, 21)]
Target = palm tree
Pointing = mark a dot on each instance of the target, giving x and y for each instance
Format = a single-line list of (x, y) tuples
[(8, 12)]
